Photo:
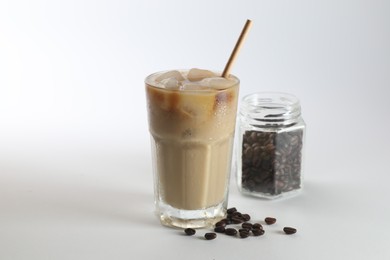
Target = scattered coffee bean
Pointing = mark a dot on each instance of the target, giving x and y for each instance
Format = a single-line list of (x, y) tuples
[(271, 161), (257, 226), (210, 236), (236, 214), (227, 221), (247, 225), (220, 224), (246, 217), (219, 229), (230, 231), (231, 210), (258, 232), (244, 234), (270, 220), (289, 230), (190, 231), (237, 220)]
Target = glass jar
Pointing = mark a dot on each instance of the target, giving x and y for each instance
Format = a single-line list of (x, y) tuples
[(271, 135)]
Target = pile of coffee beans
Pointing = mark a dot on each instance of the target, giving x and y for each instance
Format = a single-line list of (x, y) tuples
[(271, 161), (242, 228)]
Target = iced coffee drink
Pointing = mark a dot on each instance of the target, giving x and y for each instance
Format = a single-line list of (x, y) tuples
[(192, 116)]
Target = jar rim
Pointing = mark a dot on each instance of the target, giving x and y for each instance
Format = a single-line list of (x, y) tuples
[(275, 108), (267, 97)]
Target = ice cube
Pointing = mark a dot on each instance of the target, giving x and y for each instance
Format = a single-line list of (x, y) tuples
[(192, 86), (171, 83), (198, 74), (170, 74), (217, 82)]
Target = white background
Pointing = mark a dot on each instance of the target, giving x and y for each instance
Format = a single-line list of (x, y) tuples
[(75, 166)]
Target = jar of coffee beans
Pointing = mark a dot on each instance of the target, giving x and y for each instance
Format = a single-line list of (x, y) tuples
[(270, 146)]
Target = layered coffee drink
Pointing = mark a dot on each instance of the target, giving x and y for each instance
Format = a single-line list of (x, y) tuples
[(192, 115)]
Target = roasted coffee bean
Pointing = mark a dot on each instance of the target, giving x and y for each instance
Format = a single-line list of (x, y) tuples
[(247, 225), (257, 226), (270, 220), (237, 214), (210, 236), (244, 234), (246, 217), (237, 220), (230, 231), (258, 232), (231, 210), (271, 162), (289, 230), (219, 229), (190, 231), (220, 224), (227, 221), (244, 230)]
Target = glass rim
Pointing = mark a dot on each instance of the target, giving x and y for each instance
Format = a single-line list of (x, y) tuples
[(150, 82)]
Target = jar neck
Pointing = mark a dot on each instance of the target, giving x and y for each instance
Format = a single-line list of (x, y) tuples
[(271, 109)]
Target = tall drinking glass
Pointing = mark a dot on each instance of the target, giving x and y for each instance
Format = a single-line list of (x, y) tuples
[(192, 115)]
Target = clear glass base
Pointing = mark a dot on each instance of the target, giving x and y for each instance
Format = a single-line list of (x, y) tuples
[(181, 218)]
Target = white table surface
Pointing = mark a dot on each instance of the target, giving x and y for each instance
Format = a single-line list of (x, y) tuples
[(75, 164)]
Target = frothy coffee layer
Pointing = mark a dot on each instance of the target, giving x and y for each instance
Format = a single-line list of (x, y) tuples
[(192, 124), (192, 80)]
